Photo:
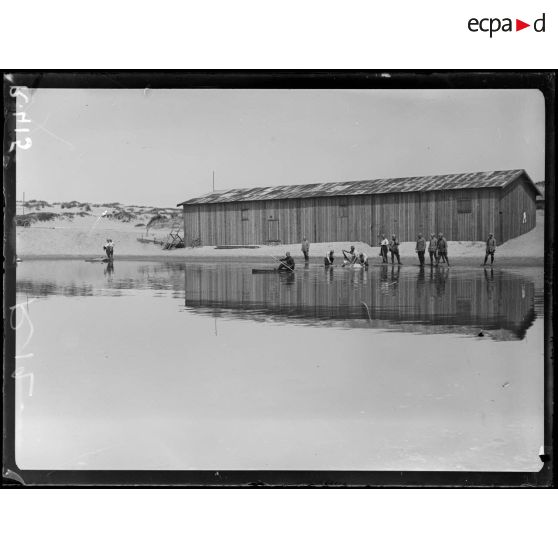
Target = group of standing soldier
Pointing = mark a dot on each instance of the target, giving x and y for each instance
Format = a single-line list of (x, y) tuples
[(393, 247), (437, 249)]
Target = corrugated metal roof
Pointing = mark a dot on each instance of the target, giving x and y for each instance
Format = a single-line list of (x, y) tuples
[(492, 179)]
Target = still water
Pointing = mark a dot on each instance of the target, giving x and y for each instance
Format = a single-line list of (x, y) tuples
[(208, 366)]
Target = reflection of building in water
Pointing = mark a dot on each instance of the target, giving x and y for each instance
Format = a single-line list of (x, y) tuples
[(44, 288), (408, 299), (75, 278), (431, 301)]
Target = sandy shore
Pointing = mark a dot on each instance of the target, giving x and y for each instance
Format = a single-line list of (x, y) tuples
[(85, 236)]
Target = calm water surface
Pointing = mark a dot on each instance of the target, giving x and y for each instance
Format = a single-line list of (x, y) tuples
[(208, 366)]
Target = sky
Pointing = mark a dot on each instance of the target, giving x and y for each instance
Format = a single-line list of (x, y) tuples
[(160, 147)]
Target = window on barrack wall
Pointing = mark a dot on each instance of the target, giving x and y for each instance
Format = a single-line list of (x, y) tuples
[(464, 204), (343, 210), (244, 214)]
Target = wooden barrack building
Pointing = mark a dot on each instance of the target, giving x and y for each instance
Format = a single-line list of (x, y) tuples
[(462, 206)]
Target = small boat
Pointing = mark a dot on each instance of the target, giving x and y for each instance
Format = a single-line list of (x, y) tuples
[(97, 260), (275, 270)]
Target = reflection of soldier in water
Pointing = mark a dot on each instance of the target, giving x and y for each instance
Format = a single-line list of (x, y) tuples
[(359, 277), (384, 282), (489, 283), (394, 279), (287, 278), (420, 284), (329, 273), (364, 277), (440, 277), (109, 269)]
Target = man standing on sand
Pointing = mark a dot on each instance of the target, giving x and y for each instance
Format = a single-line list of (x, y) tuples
[(432, 249), (394, 248), (384, 248), (420, 249), (490, 249), (305, 247), (442, 249)]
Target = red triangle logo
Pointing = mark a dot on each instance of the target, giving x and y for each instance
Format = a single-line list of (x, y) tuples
[(519, 25)]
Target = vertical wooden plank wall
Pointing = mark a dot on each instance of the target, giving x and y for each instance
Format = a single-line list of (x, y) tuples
[(368, 216), (191, 224), (516, 199)]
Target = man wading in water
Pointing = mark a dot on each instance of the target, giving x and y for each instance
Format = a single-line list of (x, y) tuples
[(287, 263), (109, 248), (350, 256)]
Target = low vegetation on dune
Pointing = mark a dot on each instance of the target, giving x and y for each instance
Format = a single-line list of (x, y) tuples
[(164, 220), (36, 204), (111, 204), (74, 204), (71, 215), (156, 219), (122, 215), (29, 218), (46, 216)]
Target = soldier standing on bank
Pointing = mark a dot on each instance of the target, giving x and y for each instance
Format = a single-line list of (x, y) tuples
[(432, 249), (490, 249), (442, 249), (305, 247), (394, 249), (420, 249)]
